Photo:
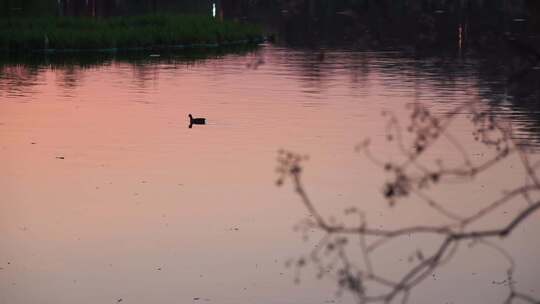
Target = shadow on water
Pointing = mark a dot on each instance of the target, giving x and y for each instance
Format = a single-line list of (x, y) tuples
[(93, 59)]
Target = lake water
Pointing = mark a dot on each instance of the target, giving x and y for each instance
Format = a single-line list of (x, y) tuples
[(107, 195)]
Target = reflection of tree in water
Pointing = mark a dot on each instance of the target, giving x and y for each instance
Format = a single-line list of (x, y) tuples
[(443, 75), (349, 253), (511, 76), (69, 78), (17, 73), (15, 77), (144, 75)]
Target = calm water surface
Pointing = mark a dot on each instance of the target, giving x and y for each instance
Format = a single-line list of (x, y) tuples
[(107, 194)]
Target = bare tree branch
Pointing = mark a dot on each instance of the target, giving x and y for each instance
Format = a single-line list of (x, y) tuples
[(414, 176)]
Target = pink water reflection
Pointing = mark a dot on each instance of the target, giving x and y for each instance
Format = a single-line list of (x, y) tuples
[(143, 209)]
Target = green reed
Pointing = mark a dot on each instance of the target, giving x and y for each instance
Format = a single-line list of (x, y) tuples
[(121, 32)]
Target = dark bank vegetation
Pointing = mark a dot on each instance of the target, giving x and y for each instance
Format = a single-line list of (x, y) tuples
[(387, 22), (150, 31), (348, 252)]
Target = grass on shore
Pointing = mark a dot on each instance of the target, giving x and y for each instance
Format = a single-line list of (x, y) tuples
[(120, 32)]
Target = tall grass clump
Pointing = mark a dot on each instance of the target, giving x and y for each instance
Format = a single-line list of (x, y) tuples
[(151, 31)]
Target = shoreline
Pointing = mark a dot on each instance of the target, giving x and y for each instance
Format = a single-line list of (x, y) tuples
[(194, 46)]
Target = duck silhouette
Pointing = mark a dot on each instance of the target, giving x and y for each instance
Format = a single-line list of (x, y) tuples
[(196, 121)]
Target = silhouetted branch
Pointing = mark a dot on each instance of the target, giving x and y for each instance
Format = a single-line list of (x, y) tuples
[(414, 176)]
